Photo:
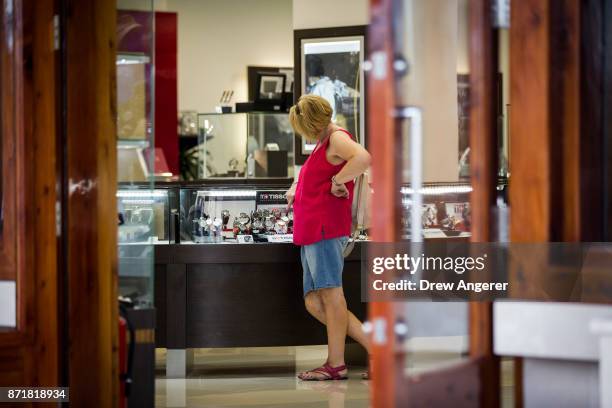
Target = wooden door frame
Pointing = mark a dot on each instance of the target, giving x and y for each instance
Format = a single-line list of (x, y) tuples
[(43, 159), (386, 181), (559, 89), (11, 242), (483, 56), (388, 385), (91, 209), (29, 354)]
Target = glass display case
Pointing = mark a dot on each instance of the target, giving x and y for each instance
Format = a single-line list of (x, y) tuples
[(445, 210), (236, 212), (144, 221), (230, 214), (141, 209), (144, 216), (245, 145)]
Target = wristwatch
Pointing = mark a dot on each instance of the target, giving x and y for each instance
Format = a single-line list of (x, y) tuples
[(280, 227), (244, 218), (225, 216), (276, 212), (257, 226), (207, 226), (269, 223), (241, 224)]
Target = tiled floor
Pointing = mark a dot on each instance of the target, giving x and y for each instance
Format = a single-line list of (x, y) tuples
[(259, 377), (265, 377)]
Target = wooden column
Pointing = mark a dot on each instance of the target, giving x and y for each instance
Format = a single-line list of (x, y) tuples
[(92, 210), (593, 99), (386, 182), (530, 167), (483, 145), (545, 127), (40, 91)]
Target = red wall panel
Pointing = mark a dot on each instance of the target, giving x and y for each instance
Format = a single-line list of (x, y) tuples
[(166, 95)]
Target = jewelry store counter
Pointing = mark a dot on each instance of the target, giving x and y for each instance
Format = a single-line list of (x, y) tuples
[(238, 295), (222, 278)]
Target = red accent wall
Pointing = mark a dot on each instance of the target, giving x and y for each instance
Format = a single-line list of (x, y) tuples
[(166, 94)]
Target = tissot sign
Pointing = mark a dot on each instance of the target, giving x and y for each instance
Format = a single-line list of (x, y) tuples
[(271, 197)]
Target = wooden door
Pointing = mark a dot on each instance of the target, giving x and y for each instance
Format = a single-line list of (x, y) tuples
[(58, 236), (475, 382), (559, 141), (29, 351)]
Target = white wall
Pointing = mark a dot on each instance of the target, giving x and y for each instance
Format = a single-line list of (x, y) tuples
[(217, 39), (330, 13), (432, 46)]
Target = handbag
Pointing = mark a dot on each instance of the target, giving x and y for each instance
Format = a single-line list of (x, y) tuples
[(362, 195)]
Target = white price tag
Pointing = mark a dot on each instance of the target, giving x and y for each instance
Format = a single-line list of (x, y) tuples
[(245, 239), (280, 238)]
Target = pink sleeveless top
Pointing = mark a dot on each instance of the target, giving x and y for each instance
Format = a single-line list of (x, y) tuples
[(317, 213)]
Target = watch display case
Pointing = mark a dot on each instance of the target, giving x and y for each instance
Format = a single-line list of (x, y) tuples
[(445, 212), (141, 209), (240, 214), (245, 145), (143, 218)]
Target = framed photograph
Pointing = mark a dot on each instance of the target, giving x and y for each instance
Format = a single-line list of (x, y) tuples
[(253, 70), (329, 63), (270, 86), (270, 91)]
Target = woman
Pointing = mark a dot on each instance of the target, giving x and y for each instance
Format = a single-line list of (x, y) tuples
[(322, 200)]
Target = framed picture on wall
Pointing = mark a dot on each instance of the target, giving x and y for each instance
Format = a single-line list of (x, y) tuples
[(329, 63), (253, 70), (270, 86), (270, 91)]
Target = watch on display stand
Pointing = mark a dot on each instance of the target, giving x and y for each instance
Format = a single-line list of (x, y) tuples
[(280, 226), (241, 224), (199, 228), (269, 223), (226, 232), (217, 230)]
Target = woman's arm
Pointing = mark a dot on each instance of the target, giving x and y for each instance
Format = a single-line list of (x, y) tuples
[(290, 194), (357, 158)]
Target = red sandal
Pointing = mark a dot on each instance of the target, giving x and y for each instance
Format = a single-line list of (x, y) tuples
[(330, 373)]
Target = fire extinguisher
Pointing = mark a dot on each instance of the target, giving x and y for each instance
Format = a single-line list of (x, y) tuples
[(125, 358)]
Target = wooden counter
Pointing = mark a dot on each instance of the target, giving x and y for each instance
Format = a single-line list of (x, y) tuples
[(233, 295)]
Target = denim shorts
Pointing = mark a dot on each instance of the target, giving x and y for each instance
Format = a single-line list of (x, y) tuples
[(323, 262)]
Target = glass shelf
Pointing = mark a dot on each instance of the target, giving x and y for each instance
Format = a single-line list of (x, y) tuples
[(245, 145), (132, 144)]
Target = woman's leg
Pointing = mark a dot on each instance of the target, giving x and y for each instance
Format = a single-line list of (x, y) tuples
[(336, 316), (315, 307)]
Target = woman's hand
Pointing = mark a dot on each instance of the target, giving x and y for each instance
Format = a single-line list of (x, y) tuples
[(339, 191), (290, 194)]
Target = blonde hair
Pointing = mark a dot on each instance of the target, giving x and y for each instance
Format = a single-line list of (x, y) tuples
[(310, 116)]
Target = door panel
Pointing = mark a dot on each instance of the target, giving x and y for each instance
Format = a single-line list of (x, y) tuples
[(447, 62), (29, 352), (10, 66)]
